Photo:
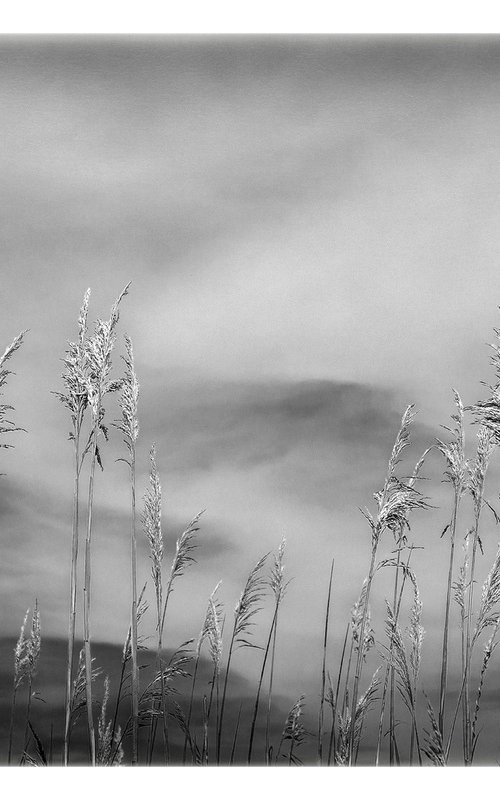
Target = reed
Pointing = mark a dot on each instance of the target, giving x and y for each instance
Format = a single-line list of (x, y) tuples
[(129, 426), (278, 587), (245, 609), (98, 352), (75, 399)]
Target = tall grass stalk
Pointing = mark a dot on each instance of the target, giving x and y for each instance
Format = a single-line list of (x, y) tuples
[(151, 521), (278, 587), (335, 697), (75, 399), (456, 473), (246, 607), (185, 545), (323, 668), (477, 478), (397, 607), (210, 630), (33, 644), (129, 426), (98, 351)]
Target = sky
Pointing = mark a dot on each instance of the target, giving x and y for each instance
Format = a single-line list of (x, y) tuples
[(310, 228)]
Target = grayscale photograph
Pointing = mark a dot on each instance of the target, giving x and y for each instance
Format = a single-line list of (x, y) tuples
[(250, 400)]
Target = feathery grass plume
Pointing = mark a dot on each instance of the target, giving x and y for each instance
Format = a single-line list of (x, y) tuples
[(6, 426), (32, 655), (211, 630), (75, 399), (20, 673), (163, 678), (129, 426), (104, 739), (245, 609), (293, 732), (406, 678), (488, 651), (178, 714), (151, 522), (278, 587), (98, 351), (433, 741), (78, 694), (456, 473), (490, 596), (184, 546), (346, 727), (394, 503)]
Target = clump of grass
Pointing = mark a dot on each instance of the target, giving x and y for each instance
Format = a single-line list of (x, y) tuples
[(394, 502)]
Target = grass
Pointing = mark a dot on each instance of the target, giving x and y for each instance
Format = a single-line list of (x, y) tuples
[(122, 720)]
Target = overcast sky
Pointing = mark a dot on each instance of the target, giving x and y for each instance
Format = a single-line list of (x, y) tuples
[(311, 230)]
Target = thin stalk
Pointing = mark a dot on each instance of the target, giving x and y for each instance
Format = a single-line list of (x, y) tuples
[(270, 691), (26, 727), (73, 594), (120, 688), (331, 748), (444, 657), (133, 624), (235, 737), (468, 645), (323, 669), (392, 671), (224, 691), (359, 660), (190, 709), (87, 602), (259, 687), (11, 726), (397, 609)]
